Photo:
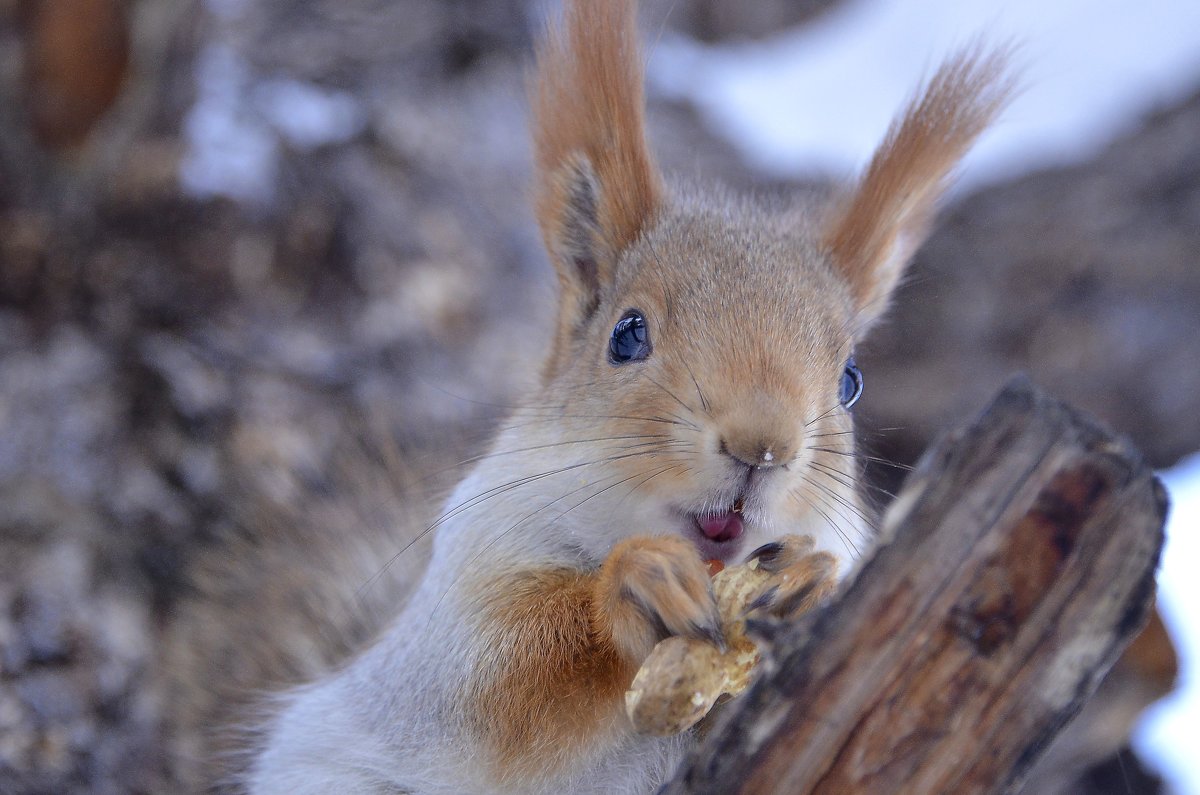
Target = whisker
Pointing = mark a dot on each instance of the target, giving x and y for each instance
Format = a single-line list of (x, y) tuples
[(488, 494), (521, 522), (557, 416), (632, 491), (699, 392), (855, 509), (852, 481), (674, 397), (820, 417), (550, 446), (858, 456), (603, 490), (842, 478), (851, 547), (829, 433)]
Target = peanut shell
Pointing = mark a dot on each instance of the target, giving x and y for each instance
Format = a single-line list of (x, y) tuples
[(682, 677)]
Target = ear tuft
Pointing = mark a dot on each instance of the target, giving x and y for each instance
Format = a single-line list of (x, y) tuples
[(596, 182), (876, 231)]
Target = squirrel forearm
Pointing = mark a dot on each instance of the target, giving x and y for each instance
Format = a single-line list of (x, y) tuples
[(550, 679)]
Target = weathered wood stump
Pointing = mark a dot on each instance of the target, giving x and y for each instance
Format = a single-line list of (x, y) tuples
[(1021, 562)]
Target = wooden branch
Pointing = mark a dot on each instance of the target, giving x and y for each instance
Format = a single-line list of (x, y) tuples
[(1021, 563)]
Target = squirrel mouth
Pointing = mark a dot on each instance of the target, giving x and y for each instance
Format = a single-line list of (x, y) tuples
[(723, 527)]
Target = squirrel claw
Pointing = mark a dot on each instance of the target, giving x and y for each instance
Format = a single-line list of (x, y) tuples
[(711, 632), (766, 553), (801, 578), (658, 587)]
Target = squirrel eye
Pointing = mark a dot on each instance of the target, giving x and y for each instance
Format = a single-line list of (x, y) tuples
[(630, 339), (852, 384)]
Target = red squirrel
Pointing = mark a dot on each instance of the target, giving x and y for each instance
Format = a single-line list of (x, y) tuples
[(694, 406)]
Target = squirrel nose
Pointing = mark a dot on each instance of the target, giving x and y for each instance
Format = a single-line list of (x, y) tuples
[(758, 431), (757, 454)]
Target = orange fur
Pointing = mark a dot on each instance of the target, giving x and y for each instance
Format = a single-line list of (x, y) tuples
[(566, 645), (558, 680), (596, 184), (649, 586), (889, 214), (588, 102)]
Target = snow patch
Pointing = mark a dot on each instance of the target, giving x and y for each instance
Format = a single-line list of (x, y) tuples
[(818, 99), (309, 116), (230, 150), (235, 129), (1168, 735)]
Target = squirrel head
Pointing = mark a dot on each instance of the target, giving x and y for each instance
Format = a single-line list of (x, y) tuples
[(711, 334)]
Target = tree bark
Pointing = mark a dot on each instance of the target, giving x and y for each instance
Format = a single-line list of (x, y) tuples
[(1021, 562)]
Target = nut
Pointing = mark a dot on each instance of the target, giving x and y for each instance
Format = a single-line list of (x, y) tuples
[(683, 677)]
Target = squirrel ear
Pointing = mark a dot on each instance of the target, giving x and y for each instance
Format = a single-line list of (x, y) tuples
[(575, 241), (595, 181), (877, 229)]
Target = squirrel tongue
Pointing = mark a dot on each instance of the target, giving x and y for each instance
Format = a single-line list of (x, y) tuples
[(721, 527)]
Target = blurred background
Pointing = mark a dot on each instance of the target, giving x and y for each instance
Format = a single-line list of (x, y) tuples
[(270, 263)]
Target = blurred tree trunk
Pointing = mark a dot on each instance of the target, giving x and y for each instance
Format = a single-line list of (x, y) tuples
[(77, 59)]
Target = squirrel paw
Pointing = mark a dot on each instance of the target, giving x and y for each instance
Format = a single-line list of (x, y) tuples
[(800, 577), (654, 587)]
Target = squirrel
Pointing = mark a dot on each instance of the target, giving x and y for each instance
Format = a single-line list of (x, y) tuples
[(694, 405)]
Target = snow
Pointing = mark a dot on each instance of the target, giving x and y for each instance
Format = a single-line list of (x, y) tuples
[(818, 99), (1168, 736), (230, 151), (235, 129), (309, 116)]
